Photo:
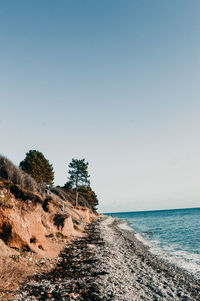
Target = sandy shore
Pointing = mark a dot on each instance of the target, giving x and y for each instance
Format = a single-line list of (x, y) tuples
[(110, 264)]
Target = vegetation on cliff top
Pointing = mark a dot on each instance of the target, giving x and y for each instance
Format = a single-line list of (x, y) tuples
[(8, 171), (36, 174), (79, 182), (36, 165), (78, 175)]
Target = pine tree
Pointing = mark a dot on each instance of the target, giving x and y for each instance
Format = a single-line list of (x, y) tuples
[(78, 175), (38, 167)]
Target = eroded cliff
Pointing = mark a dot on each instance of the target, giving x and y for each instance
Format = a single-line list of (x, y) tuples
[(32, 227)]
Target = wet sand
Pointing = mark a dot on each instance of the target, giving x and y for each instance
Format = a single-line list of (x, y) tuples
[(109, 263)]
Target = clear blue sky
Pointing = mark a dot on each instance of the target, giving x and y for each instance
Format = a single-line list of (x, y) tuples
[(115, 82)]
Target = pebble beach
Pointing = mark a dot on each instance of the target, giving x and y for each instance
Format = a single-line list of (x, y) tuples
[(109, 263)]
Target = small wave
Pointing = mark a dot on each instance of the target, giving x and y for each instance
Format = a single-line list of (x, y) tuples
[(146, 241), (185, 260), (124, 226), (139, 237)]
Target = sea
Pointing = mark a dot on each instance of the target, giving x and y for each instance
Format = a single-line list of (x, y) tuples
[(173, 235)]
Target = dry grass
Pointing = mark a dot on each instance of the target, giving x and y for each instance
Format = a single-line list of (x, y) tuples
[(8, 171), (19, 268), (12, 272), (61, 194)]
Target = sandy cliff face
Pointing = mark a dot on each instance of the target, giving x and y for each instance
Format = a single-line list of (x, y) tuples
[(29, 223)]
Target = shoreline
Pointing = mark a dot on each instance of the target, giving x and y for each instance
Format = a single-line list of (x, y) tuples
[(110, 264), (162, 260), (148, 276)]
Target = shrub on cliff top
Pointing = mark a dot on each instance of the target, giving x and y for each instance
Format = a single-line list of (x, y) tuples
[(90, 196)]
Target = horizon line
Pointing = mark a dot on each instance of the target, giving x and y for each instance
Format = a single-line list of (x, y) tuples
[(150, 210)]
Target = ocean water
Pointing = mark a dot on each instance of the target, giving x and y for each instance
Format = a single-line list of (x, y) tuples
[(171, 234)]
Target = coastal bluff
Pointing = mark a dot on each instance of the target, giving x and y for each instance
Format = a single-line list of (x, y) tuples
[(34, 227)]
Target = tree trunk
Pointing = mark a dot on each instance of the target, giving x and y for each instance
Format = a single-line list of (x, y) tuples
[(77, 191)]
